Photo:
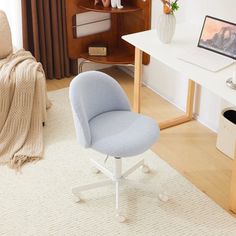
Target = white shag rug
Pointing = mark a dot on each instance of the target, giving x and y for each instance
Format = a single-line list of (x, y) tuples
[(39, 201)]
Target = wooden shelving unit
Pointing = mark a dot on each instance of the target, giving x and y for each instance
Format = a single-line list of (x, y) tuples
[(134, 17)]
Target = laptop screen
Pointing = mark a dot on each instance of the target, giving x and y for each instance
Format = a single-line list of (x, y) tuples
[(218, 36)]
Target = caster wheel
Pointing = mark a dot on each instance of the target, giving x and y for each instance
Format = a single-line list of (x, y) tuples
[(95, 170), (145, 169), (163, 197), (120, 218), (76, 199)]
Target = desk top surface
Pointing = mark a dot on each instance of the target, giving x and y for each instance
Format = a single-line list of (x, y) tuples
[(186, 38)]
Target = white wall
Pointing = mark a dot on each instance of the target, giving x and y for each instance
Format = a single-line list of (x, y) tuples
[(173, 85), (225, 9), (13, 11)]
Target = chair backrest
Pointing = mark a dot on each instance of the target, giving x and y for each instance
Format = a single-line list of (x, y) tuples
[(5, 36), (91, 94)]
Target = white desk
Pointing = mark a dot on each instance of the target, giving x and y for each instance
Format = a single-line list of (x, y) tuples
[(186, 37)]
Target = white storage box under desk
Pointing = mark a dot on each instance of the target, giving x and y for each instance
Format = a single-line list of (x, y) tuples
[(227, 132)]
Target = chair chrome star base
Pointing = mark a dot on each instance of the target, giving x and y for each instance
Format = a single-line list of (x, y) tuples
[(116, 179)]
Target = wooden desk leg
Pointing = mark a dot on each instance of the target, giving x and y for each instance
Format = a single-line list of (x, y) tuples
[(189, 110), (137, 79), (232, 200), (190, 99)]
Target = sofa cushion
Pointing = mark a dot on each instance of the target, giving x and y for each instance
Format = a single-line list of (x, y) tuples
[(5, 39)]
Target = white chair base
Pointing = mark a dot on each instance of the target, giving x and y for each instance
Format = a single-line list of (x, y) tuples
[(115, 178)]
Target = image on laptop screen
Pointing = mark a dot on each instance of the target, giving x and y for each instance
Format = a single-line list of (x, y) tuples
[(218, 36)]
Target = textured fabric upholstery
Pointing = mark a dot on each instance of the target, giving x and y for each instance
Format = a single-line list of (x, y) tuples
[(5, 36), (93, 93), (123, 133), (104, 120)]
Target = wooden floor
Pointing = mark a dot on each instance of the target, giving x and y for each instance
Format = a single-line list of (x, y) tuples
[(188, 148)]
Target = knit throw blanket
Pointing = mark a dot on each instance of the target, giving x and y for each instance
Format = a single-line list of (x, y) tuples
[(23, 103)]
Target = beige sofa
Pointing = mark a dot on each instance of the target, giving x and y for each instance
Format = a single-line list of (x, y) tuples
[(5, 39)]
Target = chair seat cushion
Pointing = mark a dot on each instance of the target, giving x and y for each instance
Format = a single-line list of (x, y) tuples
[(123, 133)]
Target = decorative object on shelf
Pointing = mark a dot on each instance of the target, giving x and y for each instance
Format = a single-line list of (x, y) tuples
[(116, 4), (167, 22), (105, 3), (90, 23), (97, 49)]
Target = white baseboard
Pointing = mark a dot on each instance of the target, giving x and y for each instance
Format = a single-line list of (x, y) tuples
[(93, 66), (195, 115)]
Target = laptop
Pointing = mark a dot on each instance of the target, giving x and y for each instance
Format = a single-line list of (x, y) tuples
[(216, 46)]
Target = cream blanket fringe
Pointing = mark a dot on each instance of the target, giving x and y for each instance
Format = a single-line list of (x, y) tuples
[(23, 102)]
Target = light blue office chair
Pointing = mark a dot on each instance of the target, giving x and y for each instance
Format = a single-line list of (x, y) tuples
[(104, 122)]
